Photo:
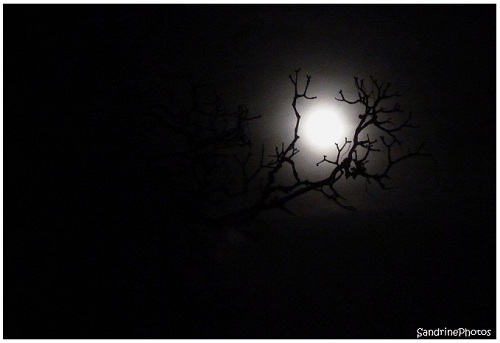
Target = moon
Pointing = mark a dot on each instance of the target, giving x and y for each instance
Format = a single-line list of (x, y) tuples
[(323, 126)]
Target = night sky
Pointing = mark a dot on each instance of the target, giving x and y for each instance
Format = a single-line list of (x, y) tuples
[(102, 230)]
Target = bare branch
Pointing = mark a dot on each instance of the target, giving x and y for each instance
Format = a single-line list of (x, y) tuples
[(353, 156), (217, 140)]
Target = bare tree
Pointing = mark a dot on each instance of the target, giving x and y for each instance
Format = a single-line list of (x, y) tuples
[(219, 150)]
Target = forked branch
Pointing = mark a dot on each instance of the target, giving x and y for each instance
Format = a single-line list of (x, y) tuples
[(218, 141)]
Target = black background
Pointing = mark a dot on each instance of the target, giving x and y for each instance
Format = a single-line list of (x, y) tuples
[(95, 244)]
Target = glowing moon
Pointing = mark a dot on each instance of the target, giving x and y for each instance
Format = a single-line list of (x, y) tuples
[(323, 127)]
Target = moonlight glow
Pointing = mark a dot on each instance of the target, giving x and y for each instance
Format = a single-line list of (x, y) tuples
[(323, 126)]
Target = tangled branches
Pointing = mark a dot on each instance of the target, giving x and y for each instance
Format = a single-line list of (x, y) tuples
[(217, 141)]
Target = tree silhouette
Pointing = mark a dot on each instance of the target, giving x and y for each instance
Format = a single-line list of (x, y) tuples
[(217, 153)]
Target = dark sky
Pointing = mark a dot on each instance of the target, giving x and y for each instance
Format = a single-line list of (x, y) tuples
[(81, 152), (97, 59)]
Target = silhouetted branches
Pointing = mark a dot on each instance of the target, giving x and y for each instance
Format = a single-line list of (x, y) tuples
[(352, 158), (373, 102), (219, 148), (212, 141)]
